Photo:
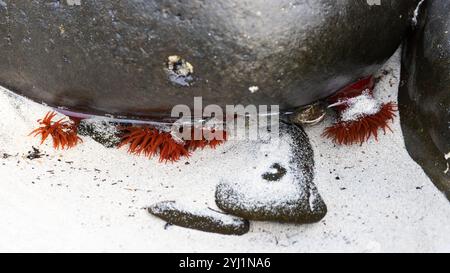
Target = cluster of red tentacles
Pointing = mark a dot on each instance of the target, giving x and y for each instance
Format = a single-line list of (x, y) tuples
[(64, 133), (361, 129), (142, 140), (150, 141), (208, 138)]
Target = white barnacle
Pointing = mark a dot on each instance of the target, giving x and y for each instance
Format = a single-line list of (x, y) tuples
[(253, 89)]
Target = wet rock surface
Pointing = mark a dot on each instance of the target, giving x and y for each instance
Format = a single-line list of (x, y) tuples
[(290, 198), (425, 92), (205, 219), (112, 56)]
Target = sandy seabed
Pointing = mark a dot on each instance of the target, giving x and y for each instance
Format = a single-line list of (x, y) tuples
[(93, 199)]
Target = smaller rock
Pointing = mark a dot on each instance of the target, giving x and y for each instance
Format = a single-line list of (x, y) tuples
[(286, 192), (102, 131), (203, 219), (34, 154)]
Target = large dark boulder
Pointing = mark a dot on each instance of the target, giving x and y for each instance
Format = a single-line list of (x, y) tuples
[(425, 92), (112, 56)]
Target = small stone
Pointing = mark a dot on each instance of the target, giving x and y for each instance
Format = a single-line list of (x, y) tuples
[(203, 219), (34, 154), (102, 131)]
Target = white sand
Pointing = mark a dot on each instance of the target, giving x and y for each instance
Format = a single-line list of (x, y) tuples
[(92, 198)]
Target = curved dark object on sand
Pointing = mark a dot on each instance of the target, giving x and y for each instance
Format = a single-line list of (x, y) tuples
[(425, 92), (206, 219), (120, 57)]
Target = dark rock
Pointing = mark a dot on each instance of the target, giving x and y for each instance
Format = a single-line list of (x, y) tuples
[(34, 154), (206, 219), (292, 199), (116, 57), (102, 131), (425, 92)]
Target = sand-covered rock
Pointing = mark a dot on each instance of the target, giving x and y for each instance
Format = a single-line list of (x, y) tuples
[(284, 192), (204, 219)]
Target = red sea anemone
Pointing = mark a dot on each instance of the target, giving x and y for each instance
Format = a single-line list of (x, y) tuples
[(142, 140), (360, 116), (360, 130), (63, 132), (151, 141)]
